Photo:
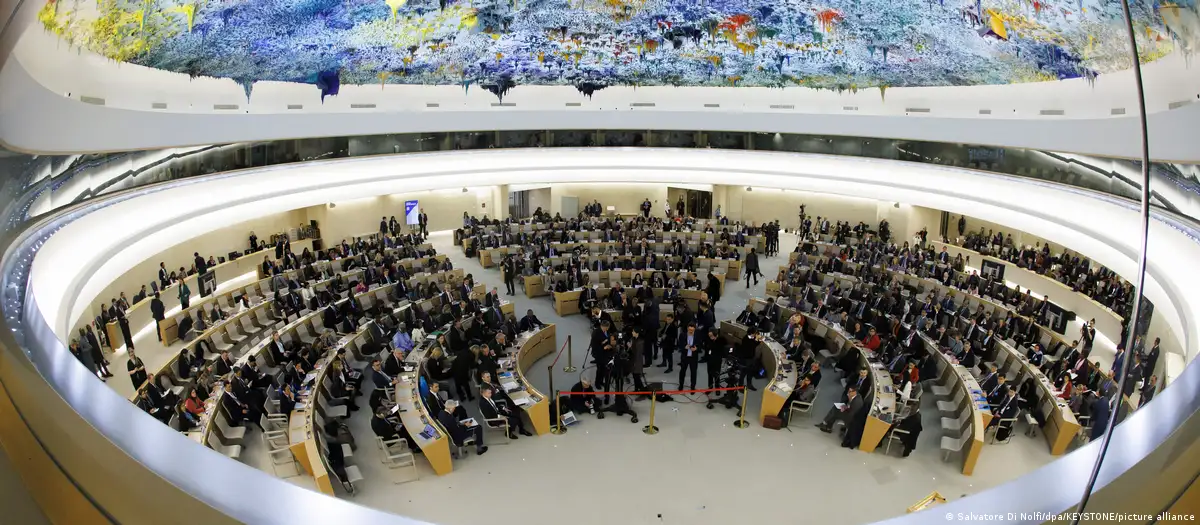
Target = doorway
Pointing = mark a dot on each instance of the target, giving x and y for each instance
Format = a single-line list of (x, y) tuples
[(696, 203)]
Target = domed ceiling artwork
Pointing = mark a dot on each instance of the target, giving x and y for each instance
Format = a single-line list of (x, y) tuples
[(592, 44)]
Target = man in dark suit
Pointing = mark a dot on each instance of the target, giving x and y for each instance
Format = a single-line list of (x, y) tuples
[(498, 344), (224, 364), (845, 413), (492, 299), (239, 410), (388, 429), (748, 317), (459, 431), (650, 330), (460, 371), (423, 222), (689, 344), (163, 280), (1008, 409), (705, 319), (715, 349), (509, 267), (670, 337), (997, 393), (158, 312), (394, 364), (150, 406), (587, 298), (201, 266), (434, 402), (989, 380), (254, 375), (769, 313), (751, 264), (530, 322), (814, 373), (491, 410), (457, 338), (859, 383)]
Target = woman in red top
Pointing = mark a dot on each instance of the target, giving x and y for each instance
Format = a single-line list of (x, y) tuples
[(193, 408), (871, 341)]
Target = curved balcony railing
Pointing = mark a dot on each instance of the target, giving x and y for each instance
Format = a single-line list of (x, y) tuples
[(85, 457)]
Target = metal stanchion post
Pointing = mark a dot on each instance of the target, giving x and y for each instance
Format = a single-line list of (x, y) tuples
[(651, 429), (558, 427), (741, 422), (570, 360)]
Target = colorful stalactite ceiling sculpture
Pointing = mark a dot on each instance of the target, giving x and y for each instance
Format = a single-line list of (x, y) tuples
[(592, 44)]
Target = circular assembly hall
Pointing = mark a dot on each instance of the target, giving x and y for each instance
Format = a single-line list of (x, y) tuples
[(628, 262)]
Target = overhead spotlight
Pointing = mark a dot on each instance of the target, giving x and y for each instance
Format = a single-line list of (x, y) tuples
[(464, 189), (896, 205), (748, 188)]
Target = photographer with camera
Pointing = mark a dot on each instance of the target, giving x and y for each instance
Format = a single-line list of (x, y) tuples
[(606, 362), (623, 359)]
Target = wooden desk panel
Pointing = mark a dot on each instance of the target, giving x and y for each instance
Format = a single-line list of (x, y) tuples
[(538, 345)]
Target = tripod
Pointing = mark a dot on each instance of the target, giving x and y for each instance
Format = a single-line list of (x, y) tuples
[(620, 405)]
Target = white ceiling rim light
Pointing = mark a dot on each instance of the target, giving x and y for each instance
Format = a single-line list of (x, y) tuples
[(84, 255)]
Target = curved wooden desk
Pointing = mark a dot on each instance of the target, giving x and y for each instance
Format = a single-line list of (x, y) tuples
[(960, 379), (529, 347), (303, 429), (781, 370), (883, 396), (1061, 425), (415, 416)]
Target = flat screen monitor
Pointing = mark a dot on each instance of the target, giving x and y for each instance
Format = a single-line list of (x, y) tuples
[(994, 269), (208, 283), (411, 212)]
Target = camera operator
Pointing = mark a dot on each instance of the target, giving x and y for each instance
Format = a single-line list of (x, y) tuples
[(748, 356), (621, 367), (606, 361)]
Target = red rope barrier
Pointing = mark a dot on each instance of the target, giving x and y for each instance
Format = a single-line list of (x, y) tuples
[(667, 392), (560, 351)]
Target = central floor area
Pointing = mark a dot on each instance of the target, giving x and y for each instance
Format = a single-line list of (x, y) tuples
[(699, 469)]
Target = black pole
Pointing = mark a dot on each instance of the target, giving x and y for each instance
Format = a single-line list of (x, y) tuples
[(1141, 275)]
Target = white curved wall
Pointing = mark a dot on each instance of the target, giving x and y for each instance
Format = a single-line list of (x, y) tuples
[(87, 255), (44, 85)]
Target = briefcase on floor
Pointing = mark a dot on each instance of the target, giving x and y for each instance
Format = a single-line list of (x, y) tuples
[(772, 422)]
